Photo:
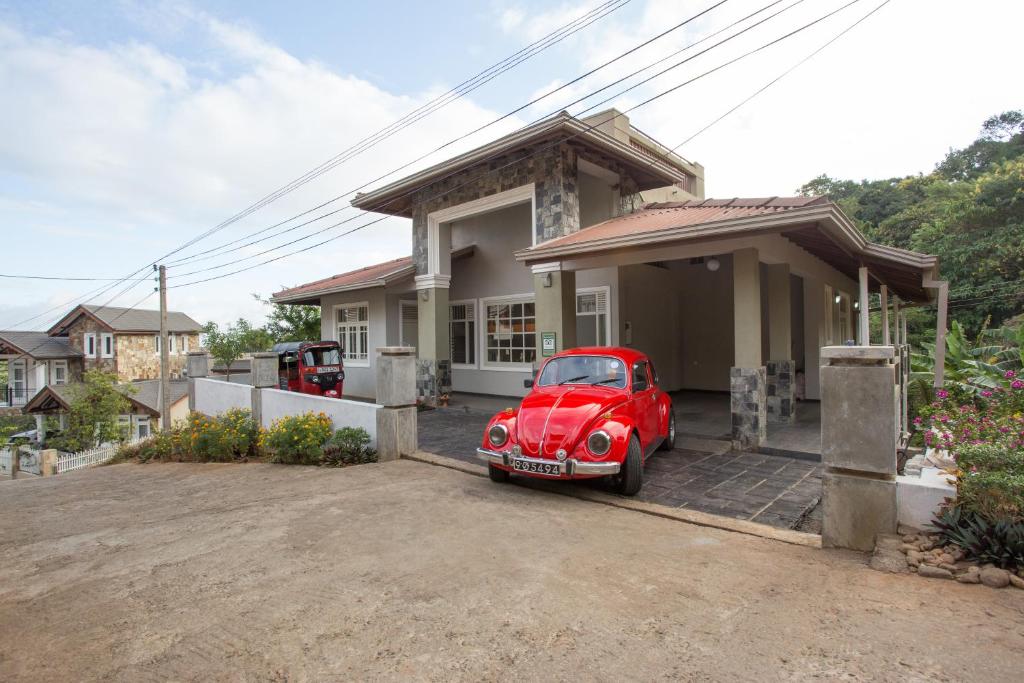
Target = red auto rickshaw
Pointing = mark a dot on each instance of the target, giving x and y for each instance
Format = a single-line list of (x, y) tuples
[(310, 367)]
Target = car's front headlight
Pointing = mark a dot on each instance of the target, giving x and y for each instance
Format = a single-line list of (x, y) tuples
[(599, 442), (497, 435)]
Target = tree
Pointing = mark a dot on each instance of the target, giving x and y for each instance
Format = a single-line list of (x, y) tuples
[(228, 345), (289, 323), (95, 404)]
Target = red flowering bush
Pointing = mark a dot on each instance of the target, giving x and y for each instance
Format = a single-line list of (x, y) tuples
[(957, 418)]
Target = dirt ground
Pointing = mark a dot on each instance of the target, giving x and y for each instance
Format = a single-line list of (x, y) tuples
[(409, 571)]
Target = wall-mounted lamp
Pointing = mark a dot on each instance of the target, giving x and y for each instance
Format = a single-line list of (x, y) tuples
[(856, 305), (425, 294), (546, 279), (838, 298), (713, 264)]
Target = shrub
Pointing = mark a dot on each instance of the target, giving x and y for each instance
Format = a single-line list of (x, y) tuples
[(233, 435), (349, 446), (297, 439), (999, 542)]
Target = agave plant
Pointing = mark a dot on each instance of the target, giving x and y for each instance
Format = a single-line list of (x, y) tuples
[(999, 542)]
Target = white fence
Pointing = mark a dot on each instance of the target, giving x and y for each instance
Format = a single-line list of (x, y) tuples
[(343, 413), (214, 397), (68, 462)]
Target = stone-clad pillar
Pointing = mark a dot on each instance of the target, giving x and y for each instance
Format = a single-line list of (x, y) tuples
[(396, 392), (433, 366), (780, 368), (555, 296), (747, 378), (858, 445), (264, 375)]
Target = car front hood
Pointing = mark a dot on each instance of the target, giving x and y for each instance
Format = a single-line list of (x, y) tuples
[(556, 417)]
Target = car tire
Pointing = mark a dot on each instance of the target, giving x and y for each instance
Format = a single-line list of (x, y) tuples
[(497, 475), (631, 476), (670, 439)]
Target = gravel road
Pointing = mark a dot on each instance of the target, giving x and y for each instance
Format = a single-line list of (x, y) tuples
[(407, 571)]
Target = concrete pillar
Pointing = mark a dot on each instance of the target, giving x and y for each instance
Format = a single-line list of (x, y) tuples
[(197, 364), (15, 461), (555, 296), (864, 326), (884, 298), (858, 445), (263, 375), (780, 369), (748, 377), (48, 462), (396, 393), (433, 371)]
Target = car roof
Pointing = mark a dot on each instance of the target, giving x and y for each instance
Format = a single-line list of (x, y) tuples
[(625, 354)]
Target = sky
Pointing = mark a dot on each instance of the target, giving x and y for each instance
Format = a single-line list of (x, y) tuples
[(130, 128)]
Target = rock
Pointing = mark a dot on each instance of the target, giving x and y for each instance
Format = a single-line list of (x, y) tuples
[(930, 559), (952, 568), (909, 548), (888, 555), (925, 546), (995, 577), (913, 558), (934, 572), (970, 577), (1016, 581), (909, 538), (946, 558)]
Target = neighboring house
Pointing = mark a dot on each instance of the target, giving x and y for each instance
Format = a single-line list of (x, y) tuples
[(35, 360), (127, 340), (566, 234), (143, 419)]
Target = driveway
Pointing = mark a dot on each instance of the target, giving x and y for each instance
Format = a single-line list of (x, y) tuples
[(407, 571), (703, 474)]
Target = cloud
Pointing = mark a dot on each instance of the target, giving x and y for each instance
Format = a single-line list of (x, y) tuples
[(124, 151)]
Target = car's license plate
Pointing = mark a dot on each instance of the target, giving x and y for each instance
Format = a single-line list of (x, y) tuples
[(551, 468)]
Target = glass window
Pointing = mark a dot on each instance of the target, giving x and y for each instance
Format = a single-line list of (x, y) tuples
[(60, 372), (604, 370), (184, 343), (324, 355), (354, 332), (156, 342), (462, 333), (592, 317), (89, 344), (640, 382), (511, 332)]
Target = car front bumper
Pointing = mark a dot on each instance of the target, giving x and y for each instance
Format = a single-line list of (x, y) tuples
[(571, 466)]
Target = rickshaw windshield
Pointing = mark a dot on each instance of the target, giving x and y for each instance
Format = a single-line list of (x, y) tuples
[(324, 355)]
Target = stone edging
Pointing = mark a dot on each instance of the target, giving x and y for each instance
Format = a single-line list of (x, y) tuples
[(739, 526)]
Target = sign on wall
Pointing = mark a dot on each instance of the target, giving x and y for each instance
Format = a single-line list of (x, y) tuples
[(547, 344)]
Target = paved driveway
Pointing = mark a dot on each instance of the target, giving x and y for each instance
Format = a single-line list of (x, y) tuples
[(406, 571), (705, 476)]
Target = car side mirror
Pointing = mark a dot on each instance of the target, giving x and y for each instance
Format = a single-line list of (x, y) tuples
[(527, 383)]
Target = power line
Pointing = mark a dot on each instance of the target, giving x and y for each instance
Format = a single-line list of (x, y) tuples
[(491, 123), (541, 149), (62, 278), (543, 43), (585, 97)]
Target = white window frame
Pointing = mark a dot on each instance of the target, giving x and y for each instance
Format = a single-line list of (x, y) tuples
[(352, 362), (143, 420), (184, 344), (470, 304), (402, 305), (607, 314), (62, 365), (104, 338), (86, 339), (527, 297)]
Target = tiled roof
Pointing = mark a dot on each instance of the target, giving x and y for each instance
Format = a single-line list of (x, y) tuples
[(39, 345), (148, 392), (138, 320), (668, 215), (354, 279)]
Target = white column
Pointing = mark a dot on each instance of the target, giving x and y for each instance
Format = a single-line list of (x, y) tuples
[(746, 278), (864, 333), (886, 341)]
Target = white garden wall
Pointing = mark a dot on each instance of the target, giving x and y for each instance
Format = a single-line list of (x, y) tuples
[(214, 397), (343, 413)]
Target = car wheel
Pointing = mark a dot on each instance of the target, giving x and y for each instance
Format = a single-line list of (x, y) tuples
[(670, 439), (631, 476), (497, 475)]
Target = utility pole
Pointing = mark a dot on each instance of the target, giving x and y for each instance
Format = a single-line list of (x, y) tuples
[(165, 371)]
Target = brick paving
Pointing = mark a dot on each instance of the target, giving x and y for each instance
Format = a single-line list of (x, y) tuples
[(769, 489)]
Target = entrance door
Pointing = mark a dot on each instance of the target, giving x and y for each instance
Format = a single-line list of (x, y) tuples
[(408, 323)]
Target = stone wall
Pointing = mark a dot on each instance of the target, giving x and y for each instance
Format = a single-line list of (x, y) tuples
[(780, 401), (137, 357), (748, 407), (76, 337)]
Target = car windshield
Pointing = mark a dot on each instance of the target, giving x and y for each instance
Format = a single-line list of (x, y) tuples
[(321, 355), (601, 370)]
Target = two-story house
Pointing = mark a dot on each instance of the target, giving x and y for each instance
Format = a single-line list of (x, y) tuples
[(574, 232)]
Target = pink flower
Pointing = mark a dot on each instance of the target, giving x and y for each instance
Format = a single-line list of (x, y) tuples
[(1017, 384), (942, 393), (1009, 374), (986, 393), (918, 420), (944, 418)]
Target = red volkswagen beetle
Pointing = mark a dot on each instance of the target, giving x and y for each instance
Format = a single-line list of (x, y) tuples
[(592, 412)]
